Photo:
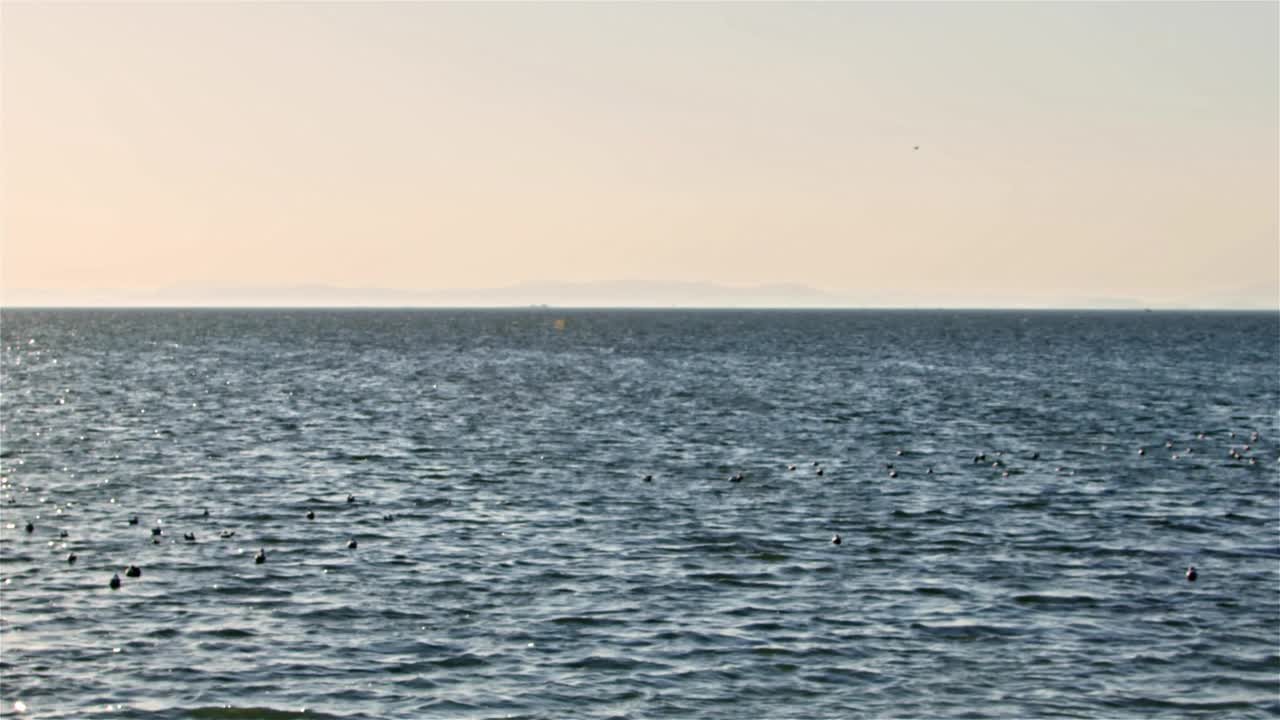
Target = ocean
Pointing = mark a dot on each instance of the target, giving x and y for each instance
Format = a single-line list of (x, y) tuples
[(562, 513)]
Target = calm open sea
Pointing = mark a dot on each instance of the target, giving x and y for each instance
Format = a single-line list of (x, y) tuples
[(1018, 495)]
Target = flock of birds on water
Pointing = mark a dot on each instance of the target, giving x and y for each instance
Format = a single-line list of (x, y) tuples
[(157, 533), (996, 459)]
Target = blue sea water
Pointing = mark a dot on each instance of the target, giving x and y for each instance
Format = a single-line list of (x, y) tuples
[(1006, 550)]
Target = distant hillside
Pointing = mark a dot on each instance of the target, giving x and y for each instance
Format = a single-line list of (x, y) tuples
[(620, 294)]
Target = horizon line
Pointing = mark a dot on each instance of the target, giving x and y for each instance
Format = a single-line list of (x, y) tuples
[(773, 308)]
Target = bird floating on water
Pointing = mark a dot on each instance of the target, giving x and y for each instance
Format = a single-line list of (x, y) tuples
[(261, 557), (1191, 573), (835, 539), (133, 571), (115, 582)]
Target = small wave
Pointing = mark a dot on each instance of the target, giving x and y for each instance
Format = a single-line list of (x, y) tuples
[(769, 556), (462, 661), (774, 650), (586, 621), (718, 578), (1266, 663), (255, 713), (1188, 705), (764, 627), (955, 593), (450, 706), (935, 512), (964, 631), (1057, 602), (601, 662)]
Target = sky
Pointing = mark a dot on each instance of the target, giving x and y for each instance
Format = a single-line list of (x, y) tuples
[(904, 154)]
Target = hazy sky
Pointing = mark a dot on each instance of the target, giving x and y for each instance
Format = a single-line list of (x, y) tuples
[(1069, 154)]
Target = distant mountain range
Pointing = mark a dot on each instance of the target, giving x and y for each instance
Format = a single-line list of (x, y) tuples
[(614, 294), (638, 293)]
